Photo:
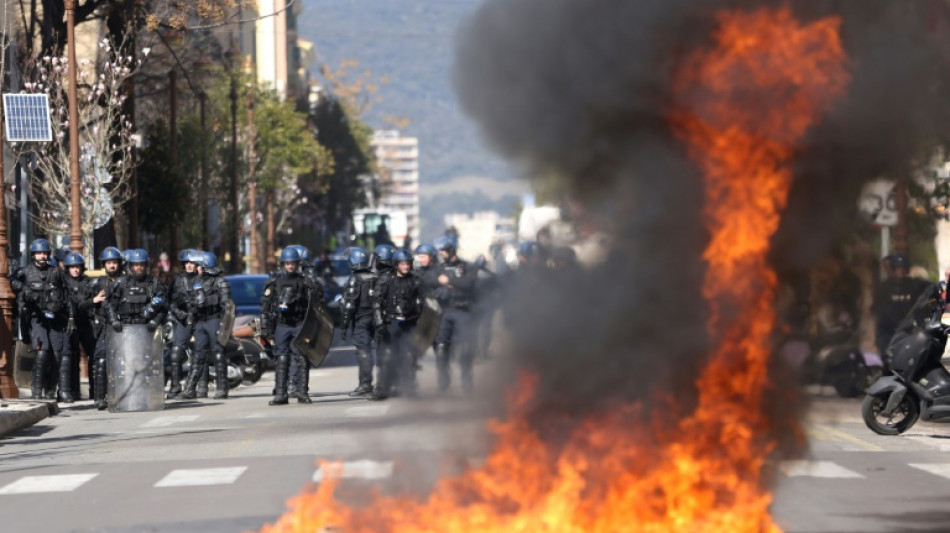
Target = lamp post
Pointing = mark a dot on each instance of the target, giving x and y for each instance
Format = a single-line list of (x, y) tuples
[(8, 388), (233, 63), (75, 227)]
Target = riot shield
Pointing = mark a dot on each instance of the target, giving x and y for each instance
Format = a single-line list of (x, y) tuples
[(423, 335), (24, 357), (316, 334), (227, 322), (135, 371)]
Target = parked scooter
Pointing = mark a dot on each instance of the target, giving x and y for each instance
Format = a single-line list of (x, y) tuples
[(243, 352), (918, 386)]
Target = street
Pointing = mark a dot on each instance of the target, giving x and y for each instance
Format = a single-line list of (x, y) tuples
[(227, 466)]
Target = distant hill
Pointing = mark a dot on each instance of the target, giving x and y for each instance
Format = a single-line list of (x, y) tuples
[(411, 42)]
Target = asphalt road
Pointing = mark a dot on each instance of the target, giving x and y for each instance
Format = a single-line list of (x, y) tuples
[(227, 466)]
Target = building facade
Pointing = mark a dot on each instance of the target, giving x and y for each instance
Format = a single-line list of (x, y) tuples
[(398, 160)]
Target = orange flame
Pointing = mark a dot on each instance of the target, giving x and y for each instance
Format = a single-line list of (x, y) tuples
[(742, 106)]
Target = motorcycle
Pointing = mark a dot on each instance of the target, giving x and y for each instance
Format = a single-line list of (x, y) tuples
[(918, 386), (243, 352)]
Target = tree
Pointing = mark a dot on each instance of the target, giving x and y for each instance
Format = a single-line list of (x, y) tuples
[(105, 141)]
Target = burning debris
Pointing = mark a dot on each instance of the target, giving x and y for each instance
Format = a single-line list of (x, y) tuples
[(741, 103)]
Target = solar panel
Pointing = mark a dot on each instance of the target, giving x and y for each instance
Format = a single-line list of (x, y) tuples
[(27, 117)]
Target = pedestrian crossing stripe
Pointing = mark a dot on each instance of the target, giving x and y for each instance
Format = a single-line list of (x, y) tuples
[(367, 410), (364, 469), (939, 469), (54, 483), (165, 421), (821, 469), (201, 477)]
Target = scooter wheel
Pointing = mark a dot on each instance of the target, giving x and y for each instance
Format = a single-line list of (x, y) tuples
[(903, 418)]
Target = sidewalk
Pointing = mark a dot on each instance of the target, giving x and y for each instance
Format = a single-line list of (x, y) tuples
[(18, 414)]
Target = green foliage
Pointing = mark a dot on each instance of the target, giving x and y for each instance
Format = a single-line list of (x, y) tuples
[(283, 143)]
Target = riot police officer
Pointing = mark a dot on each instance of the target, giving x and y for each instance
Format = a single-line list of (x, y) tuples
[(44, 296), (183, 320), (361, 314), (137, 298), (487, 297), (383, 261), (308, 269), (80, 329), (457, 282), (209, 297), (894, 298), (400, 302), (284, 307), (111, 259), (427, 259)]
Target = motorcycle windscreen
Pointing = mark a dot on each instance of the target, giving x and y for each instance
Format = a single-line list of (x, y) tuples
[(136, 375), (423, 335), (24, 358), (227, 322), (316, 334)]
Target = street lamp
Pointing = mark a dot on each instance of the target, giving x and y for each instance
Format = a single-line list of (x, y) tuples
[(75, 227), (233, 64), (8, 388)]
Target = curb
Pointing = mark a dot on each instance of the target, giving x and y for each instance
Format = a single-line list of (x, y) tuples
[(16, 415)]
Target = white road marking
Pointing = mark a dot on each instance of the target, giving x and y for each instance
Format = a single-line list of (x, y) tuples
[(165, 421), (364, 469), (201, 476), (367, 410), (59, 483), (256, 415), (320, 374), (939, 469), (931, 442), (824, 469)]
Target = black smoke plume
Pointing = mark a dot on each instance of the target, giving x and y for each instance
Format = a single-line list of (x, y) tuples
[(578, 92)]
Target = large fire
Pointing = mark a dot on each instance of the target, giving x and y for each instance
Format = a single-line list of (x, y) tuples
[(741, 107)]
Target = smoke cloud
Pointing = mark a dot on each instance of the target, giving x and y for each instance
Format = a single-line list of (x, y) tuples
[(578, 92)]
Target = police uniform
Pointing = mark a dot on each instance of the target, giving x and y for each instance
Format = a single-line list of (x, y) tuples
[(209, 297), (81, 328), (400, 301), (361, 314), (457, 299), (183, 323), (283, 309), (100, 354), (43, 290)]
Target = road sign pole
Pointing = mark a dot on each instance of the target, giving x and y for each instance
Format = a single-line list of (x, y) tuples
[(8, 388)]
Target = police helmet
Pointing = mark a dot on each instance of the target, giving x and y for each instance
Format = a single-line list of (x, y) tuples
[(899, 260), (73, 259), (194, 256), (384, 254), (125, 255), (402, 255), (289, 255), (480, 262), (207, 260), (444, 244), (427, 249), (303, 251), (358, 258), (40, 245), (110, 253), (528, 249), (183, 256), (136, 255), (61, 253)]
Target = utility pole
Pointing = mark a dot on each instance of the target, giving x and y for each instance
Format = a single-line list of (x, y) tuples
[(233, 248), (203, 191), (173, 139)]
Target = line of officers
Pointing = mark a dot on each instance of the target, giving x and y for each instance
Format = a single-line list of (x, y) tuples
[(60, 310), (382, 303)]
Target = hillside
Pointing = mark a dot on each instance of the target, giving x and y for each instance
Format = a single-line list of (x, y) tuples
[(411, 42)]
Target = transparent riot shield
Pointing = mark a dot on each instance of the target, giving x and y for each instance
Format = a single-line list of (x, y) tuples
[(136, 375), (316, 334)]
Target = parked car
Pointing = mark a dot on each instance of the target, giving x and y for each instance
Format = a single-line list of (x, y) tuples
[(246, 291)]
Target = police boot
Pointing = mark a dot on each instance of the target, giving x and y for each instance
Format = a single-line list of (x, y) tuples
[(293, 376), (51, 376), (174, 387), (100, 372), (66, 379), (280, 378), (384, 379), (39, 372), (303, 382), (203, 378), (365, 363), (442, 352), (191, 382), (220, 376)]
